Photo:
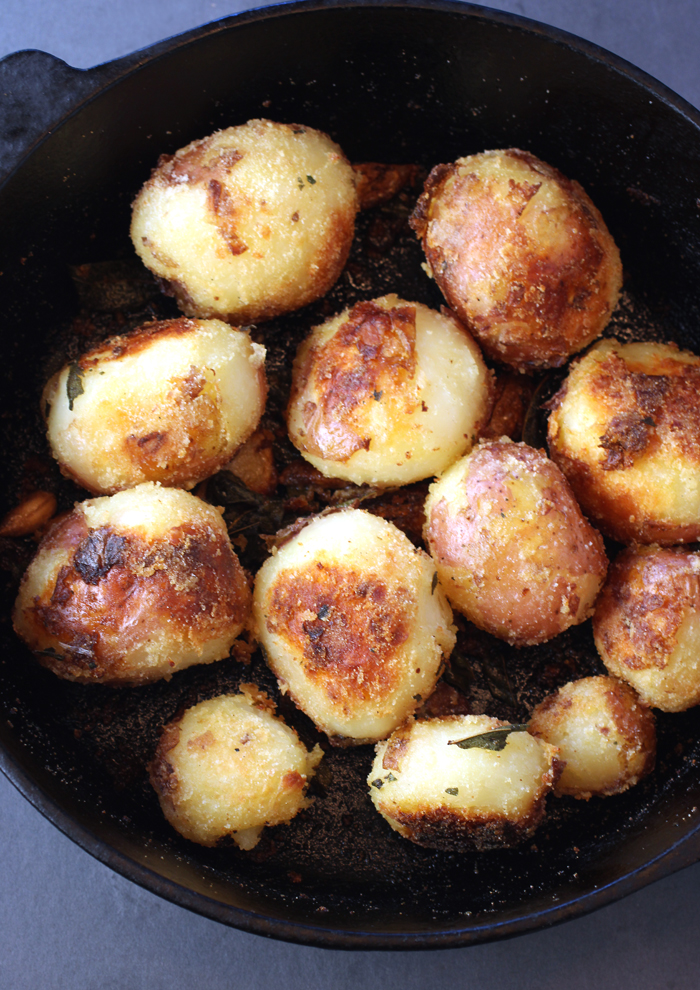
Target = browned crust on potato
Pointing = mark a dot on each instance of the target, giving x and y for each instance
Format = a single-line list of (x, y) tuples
[(161, 772), (648, 593), (649, 413), (374, 349), (550, 302), (119, 585), (512, 395), (347, 627)]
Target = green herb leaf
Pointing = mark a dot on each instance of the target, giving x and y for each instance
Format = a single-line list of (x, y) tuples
[(378, 783), (494, 739), (452, 790), (310, 179), (74, 384)]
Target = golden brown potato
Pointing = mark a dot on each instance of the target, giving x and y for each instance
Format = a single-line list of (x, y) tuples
[(521, 254), (248, 223), (131, 588), (605, 736), (625, 430), (445, 797), (387, 393), (170, 402), (647, 625), (352, 624), (228, 767), (512, 550)]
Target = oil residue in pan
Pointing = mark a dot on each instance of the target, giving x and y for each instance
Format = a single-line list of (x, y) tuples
[(338, 858)]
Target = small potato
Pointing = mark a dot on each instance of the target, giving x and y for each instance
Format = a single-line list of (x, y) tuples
[(444, 797), (605, 735), (521, 255), (131, 588), (353, 624), (625, 430), (647, 625), (512, 550), (388, 393), (248, 223), (228, 767), (170, 402)]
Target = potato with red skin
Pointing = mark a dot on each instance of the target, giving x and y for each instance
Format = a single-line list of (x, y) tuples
[(228, 767), (444, 797), (625, 430), (521, 255), (248, 223), (352, 624), (387, 393), (512, 549), (171, 402), (606, 736), (131, 588), (647, 624)]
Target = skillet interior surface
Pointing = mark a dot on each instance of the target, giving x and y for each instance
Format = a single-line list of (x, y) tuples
[(414, 83)]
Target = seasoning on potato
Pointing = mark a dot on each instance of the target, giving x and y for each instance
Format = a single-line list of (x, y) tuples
[(229, 767), (487, 796), (521, 255), (353, 624), (625, 430), (248, 223), (647, 625), (130, 588), (170, 402), (512, 549), (387, 393), (605, 735)]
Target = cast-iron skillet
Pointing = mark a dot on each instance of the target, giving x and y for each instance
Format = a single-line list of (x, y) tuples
[(415, 82)]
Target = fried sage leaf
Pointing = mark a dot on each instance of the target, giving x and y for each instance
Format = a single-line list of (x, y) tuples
[(495, 739), (74, 384)]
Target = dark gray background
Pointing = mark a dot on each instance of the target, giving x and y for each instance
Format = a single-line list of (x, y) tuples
[(66, 921)]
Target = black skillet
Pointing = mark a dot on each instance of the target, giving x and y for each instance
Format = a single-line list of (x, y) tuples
[(412, 82)]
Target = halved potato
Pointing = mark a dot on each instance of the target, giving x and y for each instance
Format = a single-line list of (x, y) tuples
[(248, 223), (170, 402), (387, 393), (228, 767), (439, 795), (130, 588), (353, 624), (521, 254)]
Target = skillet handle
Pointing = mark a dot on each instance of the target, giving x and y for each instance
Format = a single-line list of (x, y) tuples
[(37, 91)]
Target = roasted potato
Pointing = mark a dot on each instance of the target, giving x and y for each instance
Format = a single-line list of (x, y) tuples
[(521, 255), (512, 549), (228, 767), (387, 393), (170, 402), (130, 588), (647, 625), (606, 737), (445, 797), (625, 430), (248, 223), (353, 624)]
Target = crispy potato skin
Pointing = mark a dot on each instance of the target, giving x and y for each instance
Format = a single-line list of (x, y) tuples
[(248, 223), (228, 767), (440, 796), (605, 735), (112, 598), (389, 392), (625, 430), (170, 402), (521, 254), (512, 549), (352, 625), (647, 625)]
